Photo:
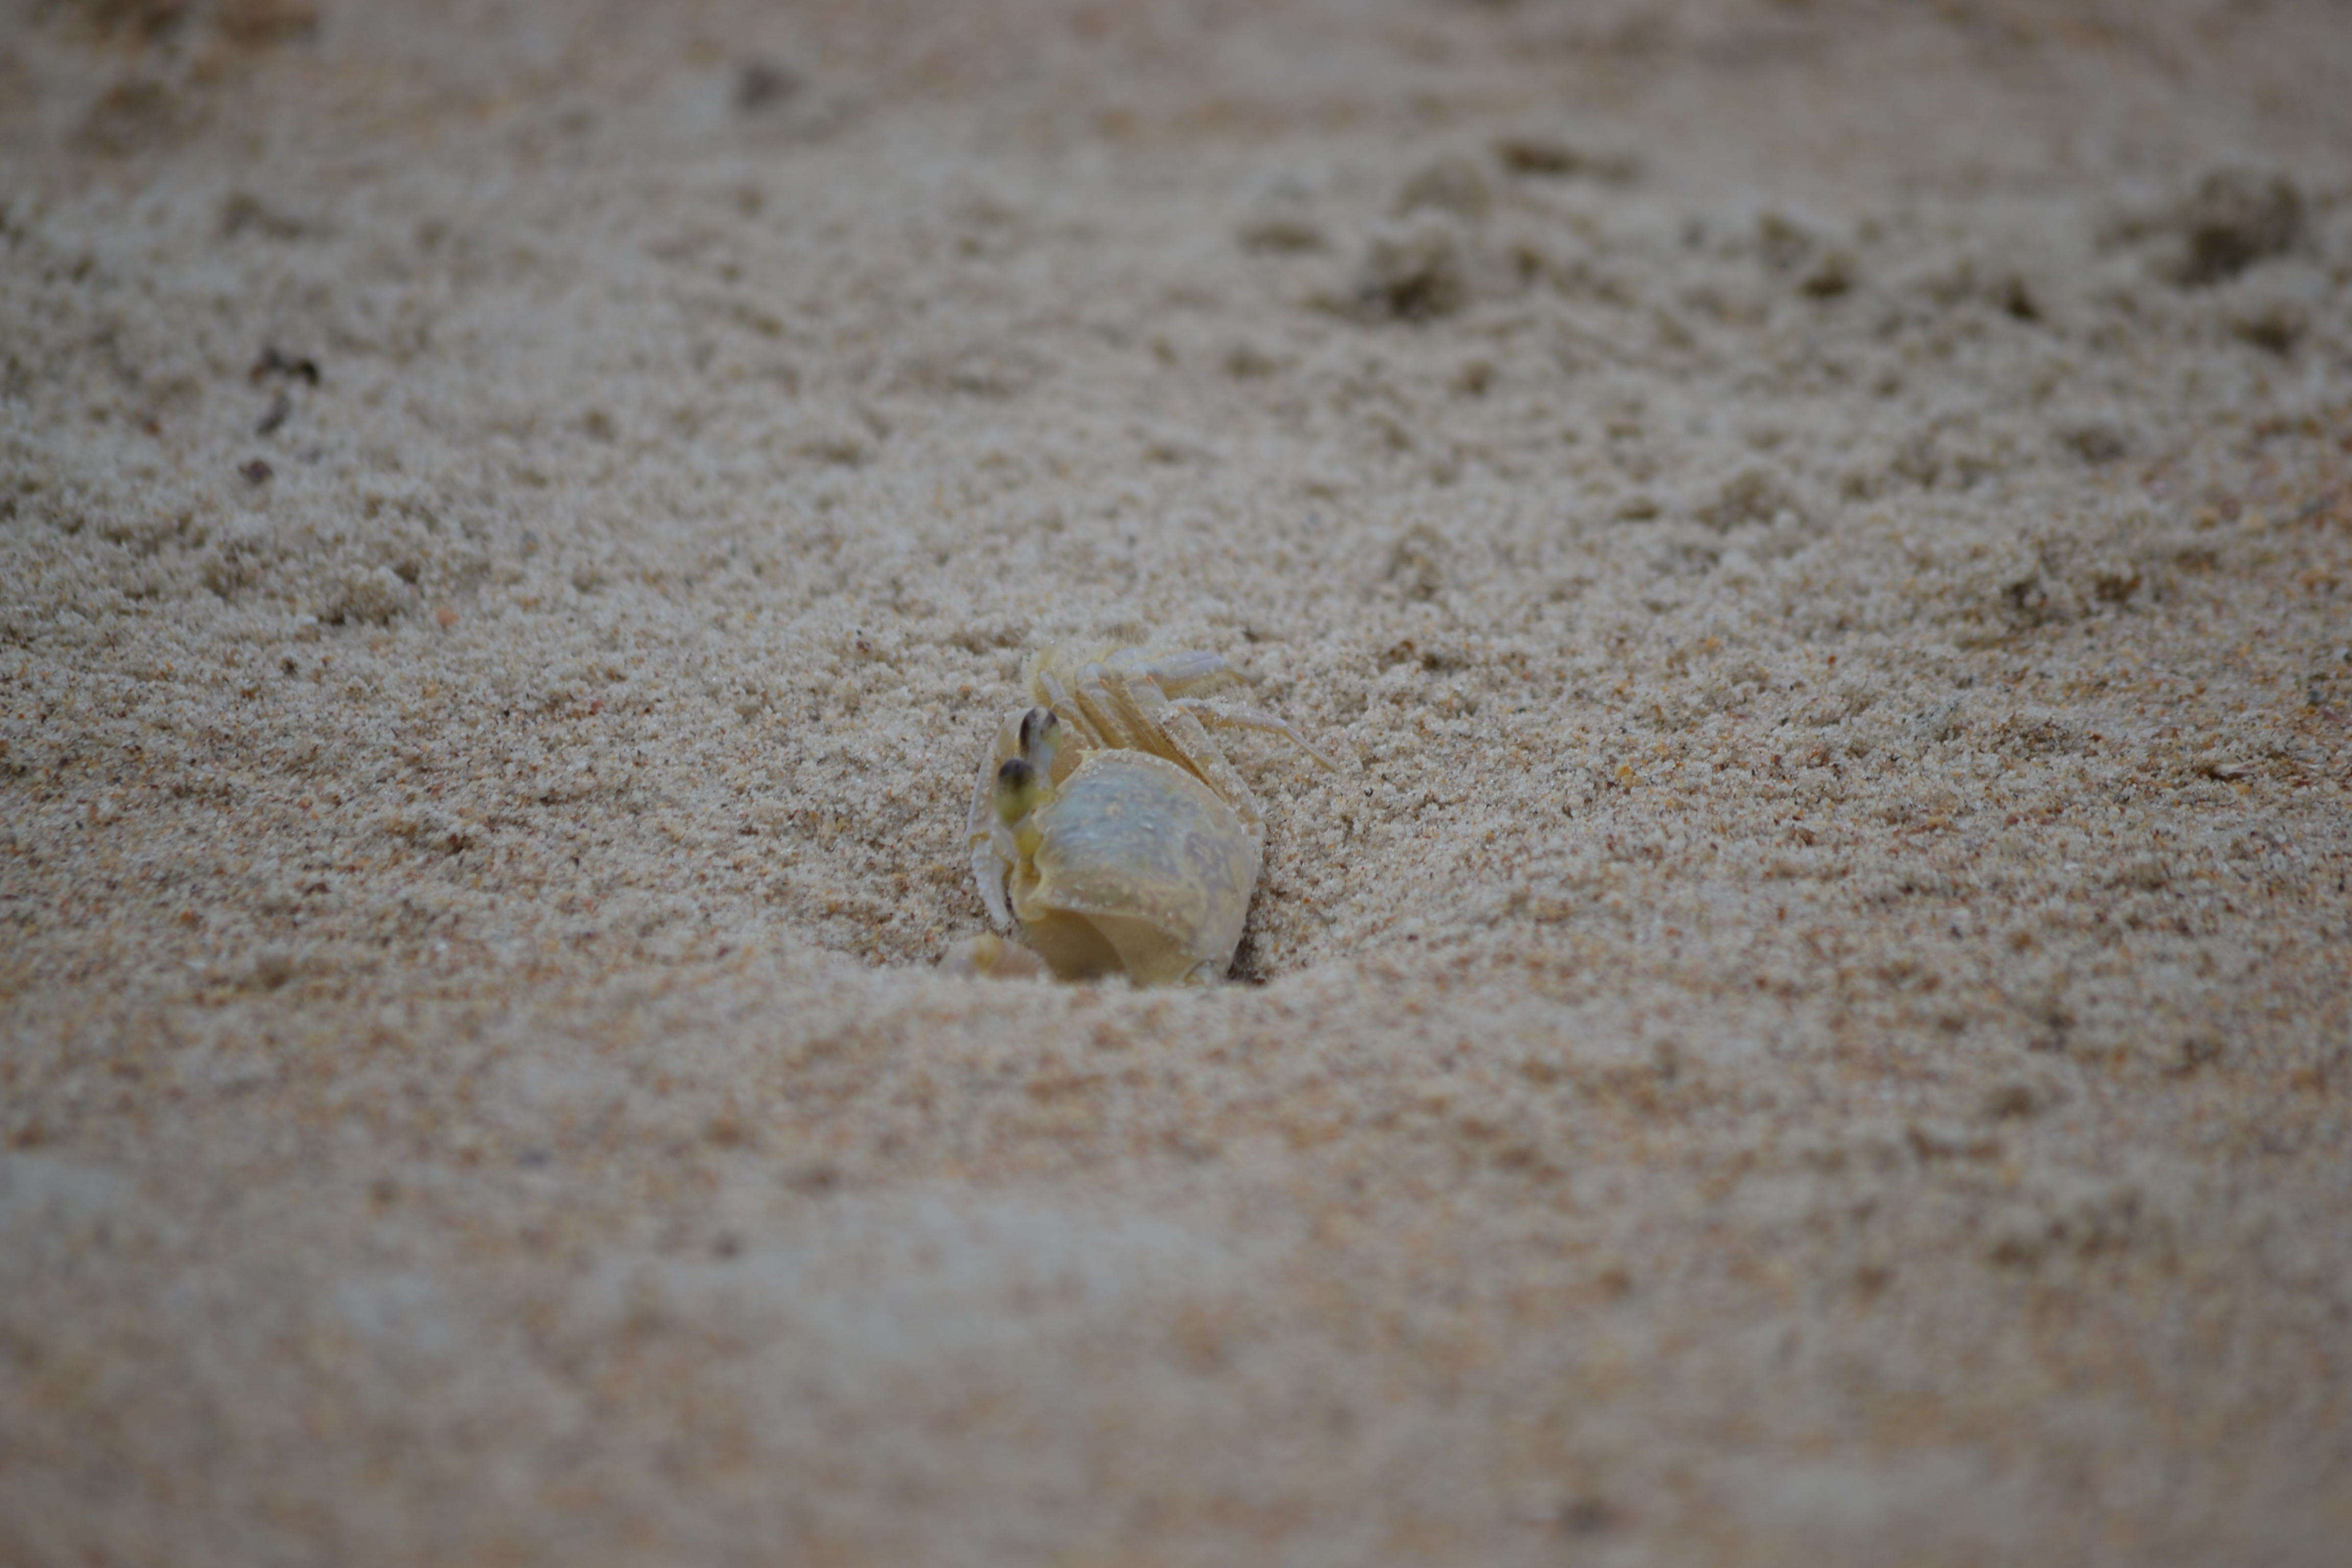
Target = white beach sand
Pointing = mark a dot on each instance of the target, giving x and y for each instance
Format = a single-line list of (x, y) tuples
[(1813, 1025)]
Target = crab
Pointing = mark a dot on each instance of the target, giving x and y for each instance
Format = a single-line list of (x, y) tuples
[(1108, 824)]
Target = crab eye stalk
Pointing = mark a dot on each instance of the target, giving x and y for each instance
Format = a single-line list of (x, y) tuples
[(1040, 731), (1016, 791)]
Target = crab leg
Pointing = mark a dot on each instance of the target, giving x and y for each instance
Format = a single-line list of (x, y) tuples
[(1170, 730), (1177, 674), (1103, 694), (1251, 718)]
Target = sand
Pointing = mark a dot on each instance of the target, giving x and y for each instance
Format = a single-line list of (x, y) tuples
[(1812, 1025)]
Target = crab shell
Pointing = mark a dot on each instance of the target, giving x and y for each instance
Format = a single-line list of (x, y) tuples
[(1139, 869)]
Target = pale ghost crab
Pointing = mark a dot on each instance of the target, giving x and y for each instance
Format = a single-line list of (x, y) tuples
[(1110, 825)]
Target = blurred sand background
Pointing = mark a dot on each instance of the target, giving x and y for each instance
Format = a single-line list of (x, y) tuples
[(1814, 1027)]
